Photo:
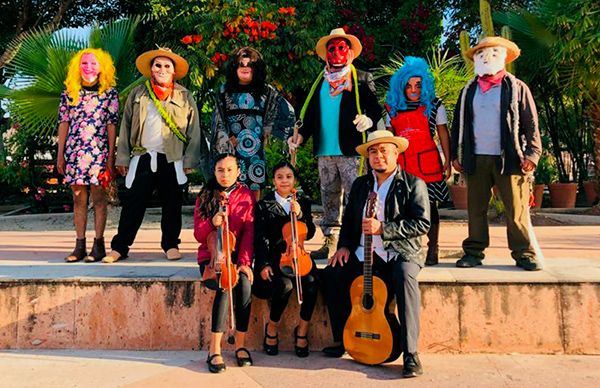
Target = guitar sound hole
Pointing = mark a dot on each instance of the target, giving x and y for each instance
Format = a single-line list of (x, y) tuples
[(367, 301)]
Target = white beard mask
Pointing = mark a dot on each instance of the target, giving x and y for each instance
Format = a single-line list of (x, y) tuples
[(489, 60)]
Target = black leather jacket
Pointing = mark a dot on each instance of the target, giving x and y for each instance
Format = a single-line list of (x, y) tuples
[(407, 216)]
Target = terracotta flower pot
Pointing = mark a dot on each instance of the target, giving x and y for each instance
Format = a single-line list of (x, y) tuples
[(538, 195), (563, 195), (591, 192), (459, 196)]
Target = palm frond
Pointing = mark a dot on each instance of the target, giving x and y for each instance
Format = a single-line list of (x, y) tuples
[(35, 109)]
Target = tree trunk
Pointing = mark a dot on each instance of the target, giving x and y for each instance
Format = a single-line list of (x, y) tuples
[(595, 116)]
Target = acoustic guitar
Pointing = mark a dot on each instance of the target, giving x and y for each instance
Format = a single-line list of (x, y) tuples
[(371, 331)]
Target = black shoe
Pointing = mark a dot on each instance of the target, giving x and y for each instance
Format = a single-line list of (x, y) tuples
[(215, 368), (335, 351), (468, 261), (412, 365), (78, 253), (271, 350), (98, 251), (301, 352), (528, 263), (243, 361)]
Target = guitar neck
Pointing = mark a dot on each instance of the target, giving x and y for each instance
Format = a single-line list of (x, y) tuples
[(368, 265)]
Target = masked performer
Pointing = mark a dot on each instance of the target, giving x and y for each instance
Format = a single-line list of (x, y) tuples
[(88, 114), (496, 141), (159, 143), (248, 111), (416, 114), (340, 107)]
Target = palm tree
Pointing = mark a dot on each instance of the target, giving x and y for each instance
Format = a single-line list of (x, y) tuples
[(561, 47), (37, 67)]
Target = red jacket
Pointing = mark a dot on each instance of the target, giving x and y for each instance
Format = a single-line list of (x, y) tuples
[(241, 223)]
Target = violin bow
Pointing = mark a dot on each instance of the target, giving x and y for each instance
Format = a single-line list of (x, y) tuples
[(227, 250), (295, 250)]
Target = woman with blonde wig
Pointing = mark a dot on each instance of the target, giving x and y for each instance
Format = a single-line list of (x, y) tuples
[(88, 114)]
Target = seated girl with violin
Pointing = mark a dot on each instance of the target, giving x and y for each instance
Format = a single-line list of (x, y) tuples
[(223, 225), (279, 267)]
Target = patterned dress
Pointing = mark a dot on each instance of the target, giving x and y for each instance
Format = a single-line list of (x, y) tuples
[(251, 117), (86, 147)]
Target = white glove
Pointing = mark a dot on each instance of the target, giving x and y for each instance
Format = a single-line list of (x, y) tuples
[(362, 122), (292, 145)]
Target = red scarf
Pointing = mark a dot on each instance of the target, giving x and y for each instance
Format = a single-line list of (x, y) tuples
[(486, 82), (162, 92)]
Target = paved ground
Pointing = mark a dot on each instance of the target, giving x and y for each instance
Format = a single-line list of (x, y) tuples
[(64, 369)]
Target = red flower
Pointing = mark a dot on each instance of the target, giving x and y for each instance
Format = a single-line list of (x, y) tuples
[(251, 10), (287, 11), (197, 38), (186, 39)]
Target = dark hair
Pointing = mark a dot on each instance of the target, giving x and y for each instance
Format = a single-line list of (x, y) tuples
[(259, 70), (210, 194), (283, 164)]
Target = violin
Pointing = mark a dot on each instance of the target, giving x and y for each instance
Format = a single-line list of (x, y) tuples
[(221, 272), (295, 261)]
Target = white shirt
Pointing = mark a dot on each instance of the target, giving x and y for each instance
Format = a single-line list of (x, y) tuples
[(152, 139), (377, 242), (285, 203)]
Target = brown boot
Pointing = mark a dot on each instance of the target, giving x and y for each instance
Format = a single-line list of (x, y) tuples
[(432, 245), (98, 251), (78, 253)]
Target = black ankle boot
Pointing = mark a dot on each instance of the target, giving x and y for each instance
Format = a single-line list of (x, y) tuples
[(78, 253), (432, 257), (98, 251), (271, 350)]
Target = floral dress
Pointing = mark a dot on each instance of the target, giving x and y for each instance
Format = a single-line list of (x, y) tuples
[(86, 147)]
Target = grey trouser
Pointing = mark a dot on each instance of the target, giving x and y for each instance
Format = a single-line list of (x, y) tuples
[(337, 173)]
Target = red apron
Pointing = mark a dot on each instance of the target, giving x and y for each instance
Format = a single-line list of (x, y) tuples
[(422, 157)]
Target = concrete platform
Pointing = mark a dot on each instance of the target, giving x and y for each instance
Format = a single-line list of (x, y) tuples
[(147, 303), (64, 369)]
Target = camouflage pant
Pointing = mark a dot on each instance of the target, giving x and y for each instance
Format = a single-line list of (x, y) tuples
[(336, 174)]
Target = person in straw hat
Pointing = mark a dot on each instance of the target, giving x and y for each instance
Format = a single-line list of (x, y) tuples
[(495, 140), (402, 218), (340, 107), (159, 143)]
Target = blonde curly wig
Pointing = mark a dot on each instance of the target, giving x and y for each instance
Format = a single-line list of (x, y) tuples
[(106, 78)]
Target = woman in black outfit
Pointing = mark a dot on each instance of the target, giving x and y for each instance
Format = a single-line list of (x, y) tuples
[(271, 214)]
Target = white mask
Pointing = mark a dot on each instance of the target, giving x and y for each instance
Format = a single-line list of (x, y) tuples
[(489, 60)]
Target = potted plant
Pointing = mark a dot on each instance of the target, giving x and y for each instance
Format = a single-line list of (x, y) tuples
[(458, 191), (545, 173)]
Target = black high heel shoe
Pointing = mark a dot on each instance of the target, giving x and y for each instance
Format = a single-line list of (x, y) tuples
[(301, 352), (215, 368), (271, 350), (243, 361)]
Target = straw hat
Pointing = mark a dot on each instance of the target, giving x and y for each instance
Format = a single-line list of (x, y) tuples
[(512, 50), (382, 136), (321, 48), (144, 62)]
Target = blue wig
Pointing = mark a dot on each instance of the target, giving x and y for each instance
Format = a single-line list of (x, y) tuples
[(413, 67)]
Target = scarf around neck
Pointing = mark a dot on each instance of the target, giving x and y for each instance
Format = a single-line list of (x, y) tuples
[(162, 92), (339, 80), (487, 81)]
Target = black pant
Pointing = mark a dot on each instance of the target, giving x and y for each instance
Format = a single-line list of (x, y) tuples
[(242, 302), (280, 288), (400, 279), (136, 199)]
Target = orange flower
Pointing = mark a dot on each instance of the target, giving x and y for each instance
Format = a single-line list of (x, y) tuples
[(287, 11), (186, 39), (197, 38)]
